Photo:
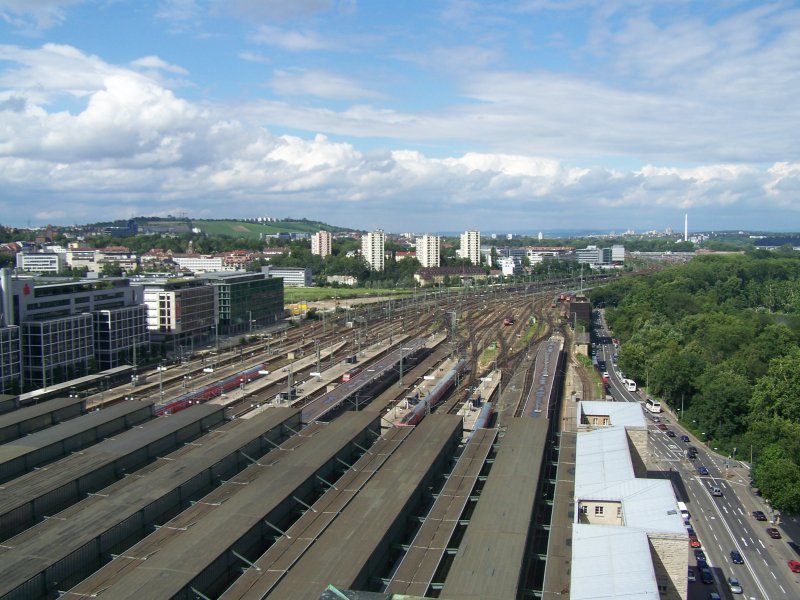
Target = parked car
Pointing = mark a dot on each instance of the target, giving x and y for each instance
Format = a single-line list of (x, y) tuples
[(690, 530), (736, 558), (773, 533), (733, 583), (684, 438), (794, 546), (699, 554), (794, 566), (691, 576), (702, 470), (714, 596), (694, 542), (759, 515), (705, 576), (701, 563)]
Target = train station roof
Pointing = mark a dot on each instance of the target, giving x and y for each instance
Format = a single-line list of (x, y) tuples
[(620, 414)]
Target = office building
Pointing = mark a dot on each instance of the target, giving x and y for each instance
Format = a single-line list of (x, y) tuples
[(41, 262), (179, 311), (471, 246), (372, 249), (428, 247), (321, 243), (10, 359), (57, 349), (292, 276), (120, 336), (199, 263), (246, 301)]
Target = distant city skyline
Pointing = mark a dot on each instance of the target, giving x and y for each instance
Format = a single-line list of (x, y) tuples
[(420, 116)]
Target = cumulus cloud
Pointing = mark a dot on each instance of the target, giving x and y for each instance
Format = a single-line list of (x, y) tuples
[(131, 145)]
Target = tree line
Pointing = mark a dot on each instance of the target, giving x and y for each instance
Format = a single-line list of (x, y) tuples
[(718, 339)]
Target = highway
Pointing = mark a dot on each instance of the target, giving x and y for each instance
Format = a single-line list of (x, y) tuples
[(722, 523)]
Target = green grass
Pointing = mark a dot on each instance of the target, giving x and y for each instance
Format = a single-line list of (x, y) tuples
[(292, 295), (247, 229)]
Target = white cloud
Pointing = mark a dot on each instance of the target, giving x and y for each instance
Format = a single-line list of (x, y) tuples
[(292, 40), (321, 84), (33, 16), (130, 145), (158, 64)]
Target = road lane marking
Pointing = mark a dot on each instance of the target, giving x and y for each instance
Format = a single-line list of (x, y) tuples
[(744, 542), (762, 544)]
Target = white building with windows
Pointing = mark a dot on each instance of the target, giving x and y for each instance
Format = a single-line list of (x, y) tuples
[(628, 538), (200, 263), (428, 250), (321, 243), (41, 262), (373, 251), (292, 276), (471, 246)]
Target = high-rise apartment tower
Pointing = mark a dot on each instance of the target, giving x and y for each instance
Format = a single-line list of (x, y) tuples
[(428, 250), (372, 249), (471, 246), (321, 243)]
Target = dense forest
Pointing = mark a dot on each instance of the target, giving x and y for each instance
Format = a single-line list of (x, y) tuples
[(717, 339)]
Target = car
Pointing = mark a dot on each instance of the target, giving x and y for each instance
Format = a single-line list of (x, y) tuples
[(714, 596), (684, 438), (705, 576), (702, 470), (670, 433), (690, 530), (699, 554), (759, 515), (733, 583), (701, 563), (794, 546), (736, 557), (773, 533), (694, 542), (715, 491), (662, 427), (794, 566), (691, 576)]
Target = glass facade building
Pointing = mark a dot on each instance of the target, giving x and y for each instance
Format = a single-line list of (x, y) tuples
[(246, 300)]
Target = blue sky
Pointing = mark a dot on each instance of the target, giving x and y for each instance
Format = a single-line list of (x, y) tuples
[(529, 115)]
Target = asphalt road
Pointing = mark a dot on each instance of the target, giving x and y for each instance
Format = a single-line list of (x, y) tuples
[(722, 523)]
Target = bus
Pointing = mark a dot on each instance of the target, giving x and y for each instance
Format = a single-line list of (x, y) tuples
[(629, 384), (654, 406)]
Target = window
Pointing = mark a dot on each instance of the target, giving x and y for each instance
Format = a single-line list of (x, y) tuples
[(584, 509), (619, 512), (598, 511)]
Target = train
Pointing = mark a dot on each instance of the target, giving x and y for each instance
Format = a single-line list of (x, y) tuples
[(350, 374), (211, 391), (429, 402), (484, 419), (509, 320)]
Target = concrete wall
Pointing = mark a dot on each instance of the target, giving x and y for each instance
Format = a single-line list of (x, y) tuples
[(671, 564), (638, 442)]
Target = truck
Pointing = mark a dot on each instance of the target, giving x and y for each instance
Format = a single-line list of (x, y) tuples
[(684, 511)]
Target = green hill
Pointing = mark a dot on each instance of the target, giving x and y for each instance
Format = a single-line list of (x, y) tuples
[(249, 229)]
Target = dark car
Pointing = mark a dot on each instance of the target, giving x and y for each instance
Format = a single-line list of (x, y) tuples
[(699, 554), (690, 530), (773, 533), (794, 546), (706, 576), (662, 427), (736, 558), (670, 433), (702, 470), (684, 438), (701, 563), (759, 515)]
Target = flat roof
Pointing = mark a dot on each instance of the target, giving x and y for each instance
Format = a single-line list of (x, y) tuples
[(354, 540), (44, 544), (37, 410), (417, 568), (611, 562), (169, 559), (490, 559), (34, 485), (71, 428), (602, 458), (621, 414)]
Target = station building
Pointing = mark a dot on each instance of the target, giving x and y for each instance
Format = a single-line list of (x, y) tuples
[(628, 539)]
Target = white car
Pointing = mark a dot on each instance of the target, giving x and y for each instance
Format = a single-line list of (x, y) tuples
[(734, 585)]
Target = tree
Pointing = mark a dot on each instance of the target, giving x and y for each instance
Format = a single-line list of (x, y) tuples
[(776, 394), (111, 269)]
